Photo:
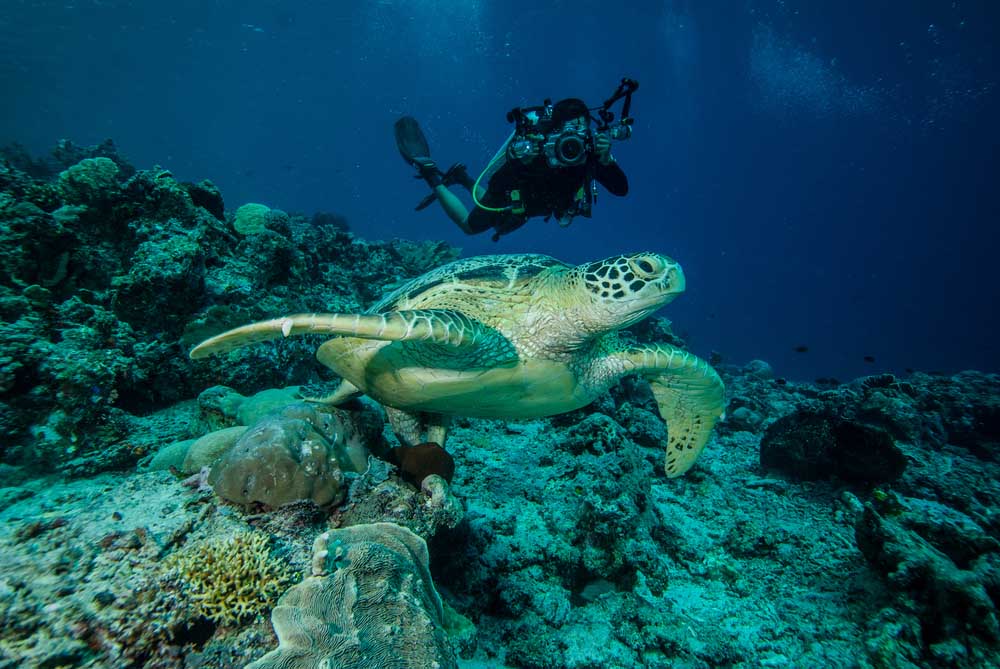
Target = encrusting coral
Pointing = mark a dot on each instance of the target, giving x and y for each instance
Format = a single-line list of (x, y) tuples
[(231, 579), (370, 603)]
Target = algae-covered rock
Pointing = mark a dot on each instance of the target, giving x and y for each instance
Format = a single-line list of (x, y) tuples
[(810, 445), (426, 512), (206, 195), (952, 603), (370, 604), (167, 277)]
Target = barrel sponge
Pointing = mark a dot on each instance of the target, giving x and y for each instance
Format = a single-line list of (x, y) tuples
[(230, 579), (370, 604)]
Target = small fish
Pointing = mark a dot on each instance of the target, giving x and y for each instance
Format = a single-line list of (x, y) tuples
[(869, 358), (801, 349)]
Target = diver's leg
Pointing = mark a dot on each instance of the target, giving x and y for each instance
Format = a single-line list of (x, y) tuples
[(453, 207)]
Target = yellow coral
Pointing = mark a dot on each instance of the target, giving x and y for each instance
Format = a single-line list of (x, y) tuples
[(231, 579)]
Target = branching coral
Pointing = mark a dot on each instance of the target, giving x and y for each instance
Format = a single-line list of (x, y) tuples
[(231, 579)]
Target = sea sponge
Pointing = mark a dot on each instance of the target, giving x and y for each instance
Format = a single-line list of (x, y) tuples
[(251, 218), (230, 579), (370, 604), (420, 461)]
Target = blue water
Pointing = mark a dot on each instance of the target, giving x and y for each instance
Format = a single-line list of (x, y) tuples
[(826, 172)]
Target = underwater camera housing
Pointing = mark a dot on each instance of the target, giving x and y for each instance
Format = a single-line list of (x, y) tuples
[(569, 145)]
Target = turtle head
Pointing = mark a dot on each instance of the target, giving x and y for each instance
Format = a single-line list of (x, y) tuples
[(623, 290)]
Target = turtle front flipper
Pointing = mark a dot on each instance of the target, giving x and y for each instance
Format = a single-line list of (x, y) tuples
[(690, 395), (436, 326)]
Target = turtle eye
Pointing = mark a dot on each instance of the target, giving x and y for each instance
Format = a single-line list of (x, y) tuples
[(648, 266)]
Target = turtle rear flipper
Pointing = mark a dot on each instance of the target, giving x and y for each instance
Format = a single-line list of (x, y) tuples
[(433, 326), (316, 393), (690, 396)]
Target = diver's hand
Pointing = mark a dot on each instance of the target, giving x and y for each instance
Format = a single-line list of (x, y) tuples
[(602, 147)]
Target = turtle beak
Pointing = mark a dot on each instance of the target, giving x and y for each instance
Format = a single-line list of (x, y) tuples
[(663, 277), (674, 282), (661, 271)]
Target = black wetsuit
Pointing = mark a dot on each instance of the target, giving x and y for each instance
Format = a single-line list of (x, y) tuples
[(544, 191)]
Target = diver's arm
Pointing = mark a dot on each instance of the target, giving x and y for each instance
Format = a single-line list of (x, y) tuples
[(612, 178)]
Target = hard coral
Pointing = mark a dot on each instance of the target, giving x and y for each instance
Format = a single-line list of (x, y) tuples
[(277, 461), (231, 579), (292, 452), (370, 604), (251, 218), (89, 179)]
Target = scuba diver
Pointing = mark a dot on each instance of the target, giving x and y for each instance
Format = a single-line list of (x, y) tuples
[(550, 166)]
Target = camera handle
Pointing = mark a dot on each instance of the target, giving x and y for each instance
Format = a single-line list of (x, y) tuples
[(625, 90)]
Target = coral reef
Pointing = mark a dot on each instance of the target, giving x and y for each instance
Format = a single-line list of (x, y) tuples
[(560, 541), (110, 274), (230, 579), (370, 604), (732, 568)]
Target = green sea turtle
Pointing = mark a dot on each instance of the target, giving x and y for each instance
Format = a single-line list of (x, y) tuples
[(509, 336)]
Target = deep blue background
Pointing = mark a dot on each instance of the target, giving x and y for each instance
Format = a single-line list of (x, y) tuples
[(826, 172)]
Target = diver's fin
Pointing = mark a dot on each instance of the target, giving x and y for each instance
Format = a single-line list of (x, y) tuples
[(426, 202), (458, 174), (410, 141)]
